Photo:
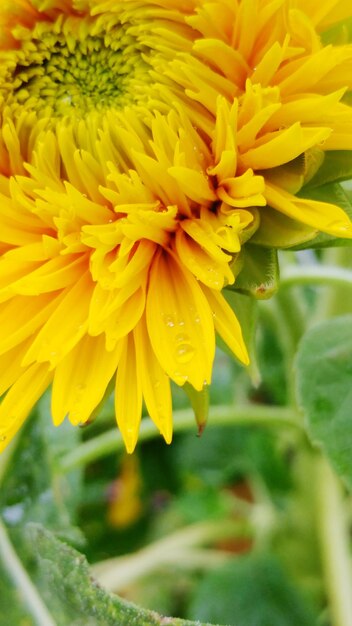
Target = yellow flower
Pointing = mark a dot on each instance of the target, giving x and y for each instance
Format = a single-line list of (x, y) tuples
[(140, 144)]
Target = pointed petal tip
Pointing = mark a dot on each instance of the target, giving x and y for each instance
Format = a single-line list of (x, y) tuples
[(245, 358), (4, 442), (167, 434), (201, 428), (130, 440)]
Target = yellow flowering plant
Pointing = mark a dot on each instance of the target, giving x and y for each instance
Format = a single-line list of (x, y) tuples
[(154, 157)]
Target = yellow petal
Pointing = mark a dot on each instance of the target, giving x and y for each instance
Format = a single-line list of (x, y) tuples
[(204, 235), (226, 324), (55, 274), (180, 323), (283, 146), (128, 394), (243, 191), (65, 326), (155, 383), (22, 316), (324, 216), (195, 185), (81, 379), (213, 273), (20, 399), (122, 321), (11, 366)]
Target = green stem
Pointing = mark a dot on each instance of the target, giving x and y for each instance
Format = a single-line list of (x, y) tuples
[(334, 540), (22, 582), (111, 441), (295, 275), (179, 548)]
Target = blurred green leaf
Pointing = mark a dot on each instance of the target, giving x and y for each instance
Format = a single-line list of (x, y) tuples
[(224, 457), (33, 489), (251, 591), (324, 389)]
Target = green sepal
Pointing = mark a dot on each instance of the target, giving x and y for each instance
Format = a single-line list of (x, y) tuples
[(339, 34), (259, 272), (279, 231), (336, 167), (200, 404), (293, 175)]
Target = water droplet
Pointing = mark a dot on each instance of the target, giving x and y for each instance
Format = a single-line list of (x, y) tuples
[(3, 437), (180, 379), (182, 338), (169, 320), (184, 352)]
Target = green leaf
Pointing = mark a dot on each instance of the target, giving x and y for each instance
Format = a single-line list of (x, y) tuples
[(74, 598), (259, 274), (324, 390), (251, 591)]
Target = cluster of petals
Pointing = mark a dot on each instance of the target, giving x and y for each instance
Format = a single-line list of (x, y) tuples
[(142, 143)]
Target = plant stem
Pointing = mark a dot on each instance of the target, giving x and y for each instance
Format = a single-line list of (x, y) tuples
[(111, 441), (334, 540), (295, 275), (22, 582), (179, 548)]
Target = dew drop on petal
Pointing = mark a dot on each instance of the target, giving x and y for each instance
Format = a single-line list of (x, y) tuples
[(180, 379), (169, 320), (184, 352)]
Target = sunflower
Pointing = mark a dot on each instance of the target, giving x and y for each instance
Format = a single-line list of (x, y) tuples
[(142, 144)]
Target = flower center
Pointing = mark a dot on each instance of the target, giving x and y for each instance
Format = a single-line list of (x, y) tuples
[(73, 67)]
